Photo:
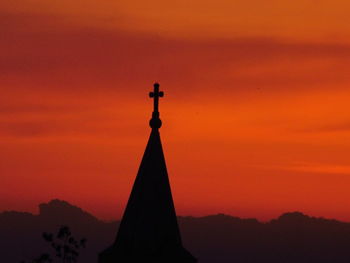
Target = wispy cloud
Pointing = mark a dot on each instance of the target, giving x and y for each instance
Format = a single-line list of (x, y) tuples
[(331, 127), (314, 168), (52, 55)]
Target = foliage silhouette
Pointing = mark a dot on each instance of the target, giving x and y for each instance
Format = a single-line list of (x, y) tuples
[(66, 247), (44, 258)]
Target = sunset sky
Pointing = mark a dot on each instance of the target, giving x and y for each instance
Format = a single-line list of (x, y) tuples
[(256, 113)]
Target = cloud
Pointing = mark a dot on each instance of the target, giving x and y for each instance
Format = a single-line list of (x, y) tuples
[(20, 108), (24, 129), (76, 120), (49, 53), (321, 168), (318, 168), (337, 127), (49, 64), (328, 126)]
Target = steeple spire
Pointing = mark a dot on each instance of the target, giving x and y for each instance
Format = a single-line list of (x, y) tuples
[(148, 231), (155, 122)]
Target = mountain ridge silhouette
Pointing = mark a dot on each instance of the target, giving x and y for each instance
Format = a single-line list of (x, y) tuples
[(292, 237)]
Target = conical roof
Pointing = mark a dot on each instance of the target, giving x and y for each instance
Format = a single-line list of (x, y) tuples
[(149, 231)]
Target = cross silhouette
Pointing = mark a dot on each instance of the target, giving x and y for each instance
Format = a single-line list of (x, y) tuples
[(155, 94)]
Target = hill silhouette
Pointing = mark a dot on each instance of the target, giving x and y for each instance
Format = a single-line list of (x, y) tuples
[(291, 238)]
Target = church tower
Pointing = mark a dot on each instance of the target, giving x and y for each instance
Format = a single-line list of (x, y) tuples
[(149, 231)]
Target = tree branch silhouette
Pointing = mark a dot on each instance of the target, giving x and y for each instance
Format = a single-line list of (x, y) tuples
[(66, 247)]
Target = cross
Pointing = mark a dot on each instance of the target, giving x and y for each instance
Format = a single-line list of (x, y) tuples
[(155, 94)]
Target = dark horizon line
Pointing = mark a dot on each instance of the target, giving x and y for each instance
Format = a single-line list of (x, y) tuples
[(179, 216)]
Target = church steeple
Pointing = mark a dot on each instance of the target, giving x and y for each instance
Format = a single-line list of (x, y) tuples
[(149, 231)]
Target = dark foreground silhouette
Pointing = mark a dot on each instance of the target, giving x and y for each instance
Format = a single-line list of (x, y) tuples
[(293, 237), (65, 247)]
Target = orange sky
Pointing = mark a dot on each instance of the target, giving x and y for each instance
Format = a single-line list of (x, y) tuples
[(255, 114)]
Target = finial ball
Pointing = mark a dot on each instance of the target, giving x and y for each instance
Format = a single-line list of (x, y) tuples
[(156, 85), (155, 123)]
